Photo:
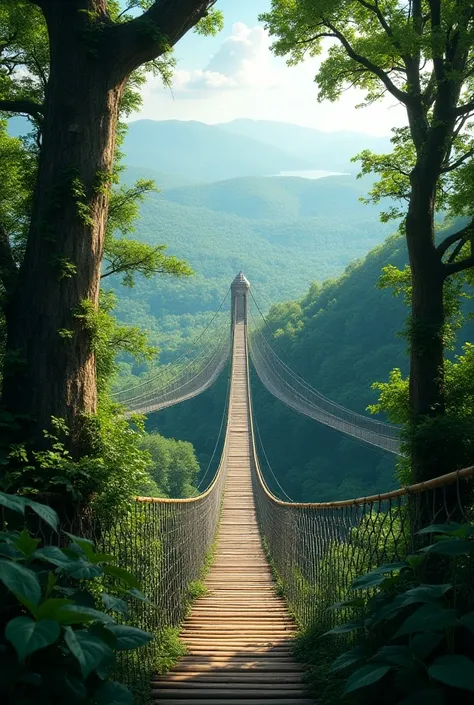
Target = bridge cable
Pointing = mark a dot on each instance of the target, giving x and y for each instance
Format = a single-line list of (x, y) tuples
[(192, 345), (224, 417), (267, 461)]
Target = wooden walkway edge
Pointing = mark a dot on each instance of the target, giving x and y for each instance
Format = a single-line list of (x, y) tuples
[(239, 635)]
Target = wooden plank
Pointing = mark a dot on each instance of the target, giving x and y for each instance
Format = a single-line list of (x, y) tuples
[(239, 635)]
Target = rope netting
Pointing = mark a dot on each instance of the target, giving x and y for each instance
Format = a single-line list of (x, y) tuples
[(318, 549), (281, 381), (191, 374), (165, 544)]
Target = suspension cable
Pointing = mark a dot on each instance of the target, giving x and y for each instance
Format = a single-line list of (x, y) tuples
[(192, 345)]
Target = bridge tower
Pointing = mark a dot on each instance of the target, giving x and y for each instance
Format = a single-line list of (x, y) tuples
[(240, 304)]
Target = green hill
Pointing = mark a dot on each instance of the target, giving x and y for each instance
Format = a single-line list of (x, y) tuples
[(327, 150), (203, 151), (280, 253), (277, 198), (341, 336)]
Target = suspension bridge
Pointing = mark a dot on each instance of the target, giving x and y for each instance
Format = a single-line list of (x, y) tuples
[(239, 635)]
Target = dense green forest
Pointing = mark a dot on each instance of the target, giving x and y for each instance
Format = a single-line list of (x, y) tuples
[(283, 232), (341, 336)]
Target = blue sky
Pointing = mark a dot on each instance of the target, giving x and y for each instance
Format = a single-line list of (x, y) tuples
[(235, 75)]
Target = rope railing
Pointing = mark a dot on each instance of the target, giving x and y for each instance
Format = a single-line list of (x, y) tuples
[(194, 379), (165, 544), (318, 549), (293, 391), (192, 373)]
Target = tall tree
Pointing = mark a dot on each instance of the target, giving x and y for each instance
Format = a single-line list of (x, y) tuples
[(91, 56), (421, 53)]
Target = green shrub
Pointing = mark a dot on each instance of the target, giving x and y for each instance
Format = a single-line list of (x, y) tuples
[(58, 639), (414, 626)]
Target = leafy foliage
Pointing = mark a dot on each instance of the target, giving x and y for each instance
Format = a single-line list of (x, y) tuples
[(415, 635), (58, 637)]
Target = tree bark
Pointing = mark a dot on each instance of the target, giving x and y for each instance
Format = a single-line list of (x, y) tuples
[(427, 320), (50, 365)]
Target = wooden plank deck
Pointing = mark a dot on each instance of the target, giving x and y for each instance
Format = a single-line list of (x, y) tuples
[(239, 635)]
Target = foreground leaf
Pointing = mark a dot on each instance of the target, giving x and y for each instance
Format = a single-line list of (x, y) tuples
[(76, 614), (21, 581), (10, 501), (430, 617), (451, 547), (114, 603), (113, 693), (28, 636), (45, 513), (456, 671), (365, 676), (129, 637), (349, 658), (89, 650), (122, 575)]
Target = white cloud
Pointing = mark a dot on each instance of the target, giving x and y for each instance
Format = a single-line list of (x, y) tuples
[(242, 61), (243, 79)]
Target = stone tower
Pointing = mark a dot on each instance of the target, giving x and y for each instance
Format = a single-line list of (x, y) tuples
[(240, 291)]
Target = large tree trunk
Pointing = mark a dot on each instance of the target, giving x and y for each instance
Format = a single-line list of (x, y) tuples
[(51, 366), (427, 320)]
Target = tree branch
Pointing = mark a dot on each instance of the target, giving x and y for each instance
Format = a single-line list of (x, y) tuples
[(27, 107), (462, 235), (461, 266), (154, 32), (370, 66), (458, 162)]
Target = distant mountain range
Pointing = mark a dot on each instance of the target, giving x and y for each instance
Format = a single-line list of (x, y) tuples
[(241, 148)]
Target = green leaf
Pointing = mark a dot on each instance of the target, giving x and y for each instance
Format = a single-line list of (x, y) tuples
[(112, 693), (422, 645), (426, 593), (89, 650), (395, 655), (450, 529), (456, 671), (367, 675), (53, 555), (26, 544), (415, 560), (10, 552), (351, 626), (86, 546), (140, 596), (102, 558), (28, 636), (79, 597), (21, 581), (129, 637), (122, 575), (82, 570), (114, 603), (45, 513), (76, 614), (349, 658), (451, 547), (51, 608), (377, 576), (430, 617), (355, 602), (13, 502)]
